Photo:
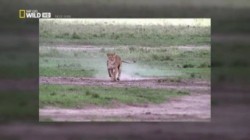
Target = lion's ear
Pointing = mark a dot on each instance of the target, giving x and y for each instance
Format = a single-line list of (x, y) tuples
[(108, 54)]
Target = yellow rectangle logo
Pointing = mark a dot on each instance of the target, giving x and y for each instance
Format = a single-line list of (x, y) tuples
[(21, 13)]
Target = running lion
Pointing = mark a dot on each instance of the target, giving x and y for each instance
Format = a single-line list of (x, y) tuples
[(114, 64)]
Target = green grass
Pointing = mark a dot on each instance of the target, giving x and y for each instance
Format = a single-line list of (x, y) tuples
[(162, 62), (147, 45), (110, 34), (50, 72), (71, 66), (77, 96)]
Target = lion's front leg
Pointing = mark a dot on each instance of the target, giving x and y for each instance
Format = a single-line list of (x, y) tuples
[(112, 74), (116, 71)]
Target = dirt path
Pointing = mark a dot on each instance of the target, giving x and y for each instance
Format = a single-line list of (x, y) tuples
[(156, 83), (194, 107), (189, 108)]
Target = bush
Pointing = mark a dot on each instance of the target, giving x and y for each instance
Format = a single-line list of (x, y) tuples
[(188, 66), (204, 65), (75, 36), (192, 75), (131, 49), (161, 58)]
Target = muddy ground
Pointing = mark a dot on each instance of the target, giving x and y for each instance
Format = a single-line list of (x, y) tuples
[(193, 107)]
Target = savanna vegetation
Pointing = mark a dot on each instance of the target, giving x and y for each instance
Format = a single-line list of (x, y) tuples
[(78, 97), (78, 49), (147, 45), (168, 62), (111, 33)]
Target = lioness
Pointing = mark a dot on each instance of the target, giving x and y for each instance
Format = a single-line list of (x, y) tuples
[(114, 63)]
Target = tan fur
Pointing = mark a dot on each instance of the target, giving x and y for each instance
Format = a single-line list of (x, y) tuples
[(114, 63)]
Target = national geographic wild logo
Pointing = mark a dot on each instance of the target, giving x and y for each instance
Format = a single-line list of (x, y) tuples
[(23, 14)]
